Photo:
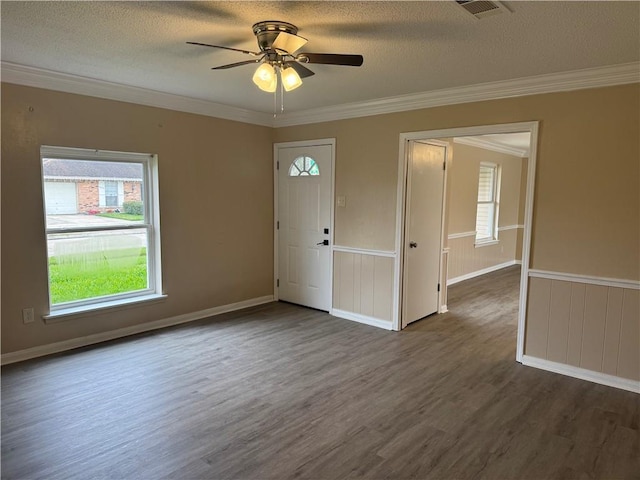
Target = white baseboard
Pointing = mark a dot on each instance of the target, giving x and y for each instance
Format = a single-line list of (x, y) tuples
[(57, 347), (477, 273), (583, 374), (356, 317), (443, 309)]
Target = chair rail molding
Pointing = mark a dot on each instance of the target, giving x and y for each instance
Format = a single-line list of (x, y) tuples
[(365, 251), (591, 280)]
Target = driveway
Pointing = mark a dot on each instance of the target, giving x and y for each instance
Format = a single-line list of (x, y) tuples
[(80, 243), (80, 220)]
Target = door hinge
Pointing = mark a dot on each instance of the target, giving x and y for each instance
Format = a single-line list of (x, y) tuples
[(438, 287), (444, 165), (278, 165), (278, 283), (278, 225)]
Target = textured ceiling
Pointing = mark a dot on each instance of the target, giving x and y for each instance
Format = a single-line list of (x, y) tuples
[(409, 47)]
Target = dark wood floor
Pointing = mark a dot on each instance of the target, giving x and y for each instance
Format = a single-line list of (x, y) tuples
[(281, 392)]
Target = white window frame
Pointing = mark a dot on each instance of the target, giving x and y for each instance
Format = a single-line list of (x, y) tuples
[(495, 202), (151, 224)]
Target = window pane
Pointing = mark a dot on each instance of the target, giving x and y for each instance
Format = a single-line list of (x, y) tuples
[(111, 188), (111, 193), (86, 193), (96, 264), (293, 170), (486, 184), (304, 167), (484, 221)]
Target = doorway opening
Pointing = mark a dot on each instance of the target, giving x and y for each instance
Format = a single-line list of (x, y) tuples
[(486, 213)]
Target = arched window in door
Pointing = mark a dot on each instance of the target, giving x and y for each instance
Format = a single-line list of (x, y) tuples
[(304, 166)]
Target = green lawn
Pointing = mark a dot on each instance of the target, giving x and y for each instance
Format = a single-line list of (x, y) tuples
[(121, 216), (96, 274)]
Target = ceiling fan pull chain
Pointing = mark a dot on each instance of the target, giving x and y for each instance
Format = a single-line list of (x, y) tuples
[(275, 103), (281, 92)]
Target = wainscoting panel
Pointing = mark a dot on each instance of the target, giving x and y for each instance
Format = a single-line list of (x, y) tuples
[(559, 321), (363, 284), (629, 353), (465, 258), (576, 316), (591, 326)]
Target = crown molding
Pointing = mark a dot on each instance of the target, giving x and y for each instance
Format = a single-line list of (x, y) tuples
[(556, 82), (489, 145), (62, 82), (539, 84)]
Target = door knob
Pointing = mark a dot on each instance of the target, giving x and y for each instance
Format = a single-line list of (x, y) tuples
[(413, 245), (324, 242)]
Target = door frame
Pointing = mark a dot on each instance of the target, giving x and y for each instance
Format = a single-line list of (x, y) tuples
[(533, 128), (276, 210), (407, 211)]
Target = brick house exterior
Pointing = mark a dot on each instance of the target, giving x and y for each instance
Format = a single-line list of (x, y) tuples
[(77, 186), (88, 194)]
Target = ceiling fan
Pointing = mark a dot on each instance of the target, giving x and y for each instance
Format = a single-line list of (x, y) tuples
[(278, 42)]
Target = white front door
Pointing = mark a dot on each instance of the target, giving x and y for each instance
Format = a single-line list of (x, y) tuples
[(304, 215), (423, 230)]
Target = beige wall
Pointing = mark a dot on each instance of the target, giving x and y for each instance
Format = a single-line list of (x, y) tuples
[(216, 197), (586, 217), (464, 257), (589, 142), (366, 175), (216, 193)]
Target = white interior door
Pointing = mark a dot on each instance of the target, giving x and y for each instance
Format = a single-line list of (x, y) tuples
[(304, 215), (423, 230)]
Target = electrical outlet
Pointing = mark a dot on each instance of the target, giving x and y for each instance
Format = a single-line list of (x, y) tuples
[(27, 315)]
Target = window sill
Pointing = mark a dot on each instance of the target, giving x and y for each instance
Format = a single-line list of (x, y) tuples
[(72, 313), (486, 243)]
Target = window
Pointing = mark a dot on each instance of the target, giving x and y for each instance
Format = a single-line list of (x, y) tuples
[(103, 247), (303, 166), (488, 201), (111, 193)]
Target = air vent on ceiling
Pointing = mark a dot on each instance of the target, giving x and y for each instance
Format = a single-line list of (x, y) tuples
[(482, 8)]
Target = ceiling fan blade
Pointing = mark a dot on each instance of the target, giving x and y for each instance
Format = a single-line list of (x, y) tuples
[(288, 43), (237, 64), (302, 71), (331, 59), (225, 48)]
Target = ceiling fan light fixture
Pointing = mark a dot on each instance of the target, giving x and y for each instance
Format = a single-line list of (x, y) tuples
[(290, 79), (266, 78)]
